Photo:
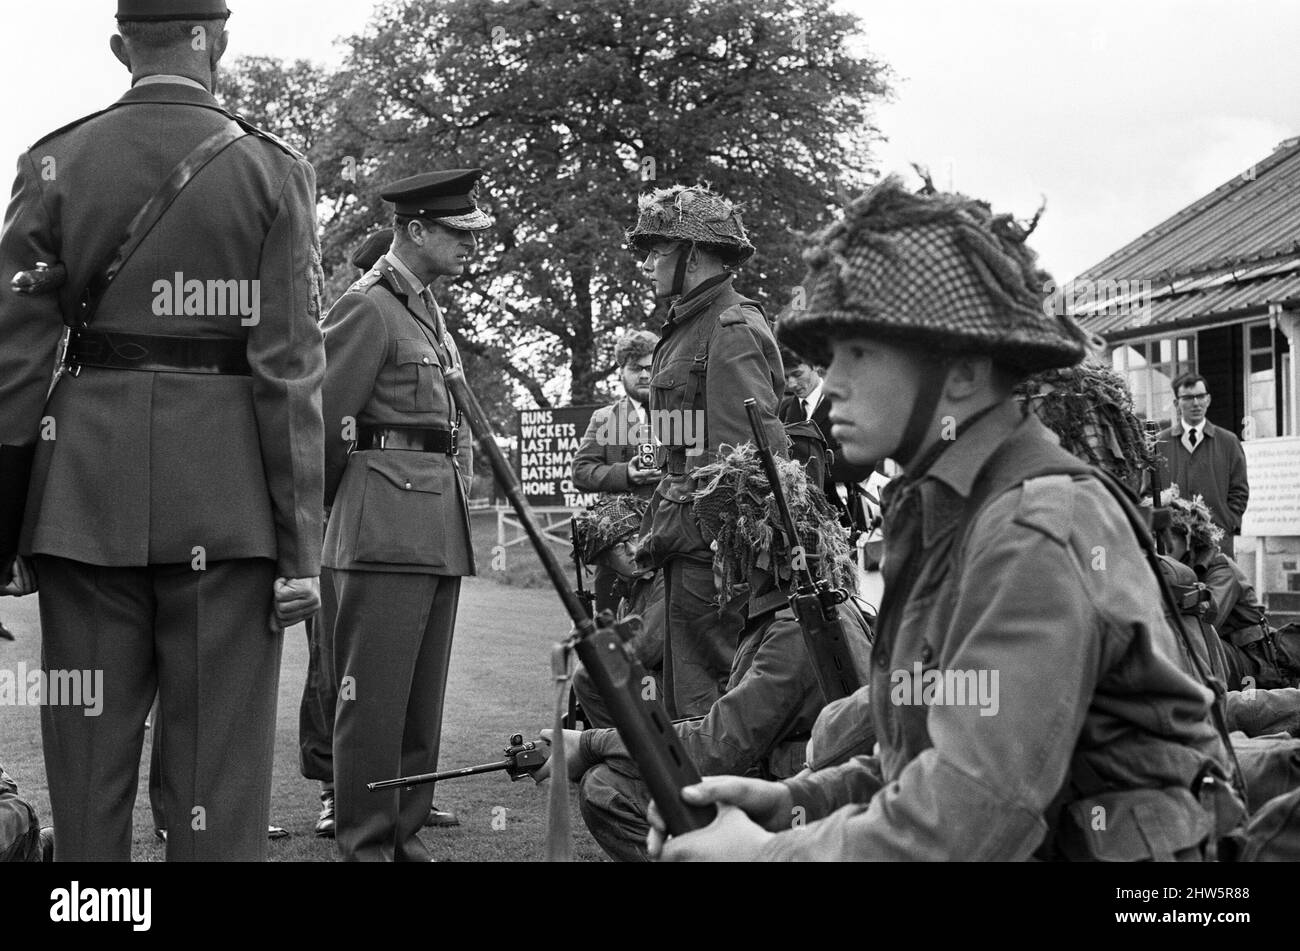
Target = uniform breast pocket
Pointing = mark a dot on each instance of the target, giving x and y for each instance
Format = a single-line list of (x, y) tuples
[(402, 517), (420, 375)]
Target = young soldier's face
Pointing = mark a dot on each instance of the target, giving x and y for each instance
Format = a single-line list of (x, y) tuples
[(871, 386), (660, 265)]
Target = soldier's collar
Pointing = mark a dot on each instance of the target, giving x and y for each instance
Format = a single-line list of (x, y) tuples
[(699, 299)]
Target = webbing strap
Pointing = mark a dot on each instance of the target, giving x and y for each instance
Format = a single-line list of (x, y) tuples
[(559, 825)]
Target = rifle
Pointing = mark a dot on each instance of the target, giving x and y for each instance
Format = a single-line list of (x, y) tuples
[(521, 759), (600, 643), (575, 713), (813, 602)]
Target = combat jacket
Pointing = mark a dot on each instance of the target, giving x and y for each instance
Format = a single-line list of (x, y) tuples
[(136, 467), (716, 350), (1023, 677), (612, 439), (392, 509), (771, 702)]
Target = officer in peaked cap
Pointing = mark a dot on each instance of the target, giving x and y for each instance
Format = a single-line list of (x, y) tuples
[(180, 503), (393, 442)]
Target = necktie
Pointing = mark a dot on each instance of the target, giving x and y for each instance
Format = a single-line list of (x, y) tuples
[(1191, 437)]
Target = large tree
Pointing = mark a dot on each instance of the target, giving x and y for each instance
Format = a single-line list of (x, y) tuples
[(574, 108)]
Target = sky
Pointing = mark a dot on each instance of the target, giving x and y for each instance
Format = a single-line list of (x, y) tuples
[(1117, 112)]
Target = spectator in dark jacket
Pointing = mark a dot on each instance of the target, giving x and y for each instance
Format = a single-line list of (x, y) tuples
[(1206, 460)]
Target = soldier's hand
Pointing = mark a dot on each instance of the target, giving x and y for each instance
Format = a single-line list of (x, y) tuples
[(296, 599), (22, 579), (575, 766), (638, 476), (731, 837), (769, 805)]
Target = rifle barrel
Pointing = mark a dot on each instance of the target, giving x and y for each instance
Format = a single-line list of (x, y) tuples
[(778, 493), (487, 445), (424, 778)]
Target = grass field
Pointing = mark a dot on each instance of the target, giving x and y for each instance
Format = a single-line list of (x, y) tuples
[(499, 683)]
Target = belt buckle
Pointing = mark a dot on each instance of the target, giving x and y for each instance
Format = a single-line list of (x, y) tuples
[(455, 440), (67, 363), (381, 437)]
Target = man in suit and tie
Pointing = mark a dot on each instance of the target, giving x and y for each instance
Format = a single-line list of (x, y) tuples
[(804, 402), (397, 475), (1204, 459), (173, 513)]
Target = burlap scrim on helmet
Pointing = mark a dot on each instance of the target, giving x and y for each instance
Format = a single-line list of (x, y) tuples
[(736, 510), (612, 519), (934, 271), (690, 213), (1192, 518), (1090, 409)]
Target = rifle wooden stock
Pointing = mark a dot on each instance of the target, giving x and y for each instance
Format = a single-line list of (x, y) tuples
[(813, 602), (617, 674)]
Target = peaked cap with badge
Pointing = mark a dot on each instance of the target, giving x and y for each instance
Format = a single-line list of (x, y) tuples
[(447, 197)]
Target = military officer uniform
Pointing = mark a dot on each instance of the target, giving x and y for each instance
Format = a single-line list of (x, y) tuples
[(177, 467), (397, 542)]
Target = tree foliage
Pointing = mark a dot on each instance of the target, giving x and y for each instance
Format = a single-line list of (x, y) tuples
[(573, 108)]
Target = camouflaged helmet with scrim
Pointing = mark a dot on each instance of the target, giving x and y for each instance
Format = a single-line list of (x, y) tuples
[(1192, 518), (737, 515), (1090, 409), (691, 213), (608, 521), (931, 271)]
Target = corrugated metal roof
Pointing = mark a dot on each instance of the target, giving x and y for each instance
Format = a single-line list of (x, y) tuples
[(1234, 251)]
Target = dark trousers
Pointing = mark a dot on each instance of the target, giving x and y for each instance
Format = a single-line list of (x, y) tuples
[(702, 638), (614, 804), (320, 693), (392, 646), (199, 640)]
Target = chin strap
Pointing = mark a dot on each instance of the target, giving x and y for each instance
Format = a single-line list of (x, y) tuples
[(679, 275), (922, 415)]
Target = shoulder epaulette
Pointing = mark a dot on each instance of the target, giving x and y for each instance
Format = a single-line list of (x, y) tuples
[(366, 281), (735, 314), (266, 136), (71, 125)]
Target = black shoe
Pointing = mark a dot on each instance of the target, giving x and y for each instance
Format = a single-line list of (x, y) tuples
[(47, 844), (441, 818), (275, 832), (5, 635), (160, 835), (325, 824)]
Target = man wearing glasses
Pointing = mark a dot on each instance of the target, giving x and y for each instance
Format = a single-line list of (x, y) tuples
[(1204, 459)]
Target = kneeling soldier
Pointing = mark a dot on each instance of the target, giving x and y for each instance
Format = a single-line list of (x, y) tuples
[(761, 723), (398, 534)]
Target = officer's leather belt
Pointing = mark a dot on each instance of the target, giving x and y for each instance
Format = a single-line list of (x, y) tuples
[(410, 438), (116, 350)]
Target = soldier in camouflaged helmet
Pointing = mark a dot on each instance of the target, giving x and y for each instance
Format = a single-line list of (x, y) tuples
[(716, 349), (1016, 687)]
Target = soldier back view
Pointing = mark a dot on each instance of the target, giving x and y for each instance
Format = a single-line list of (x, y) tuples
[(178, 462)]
